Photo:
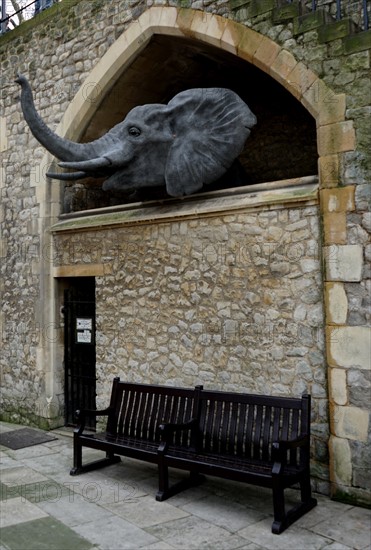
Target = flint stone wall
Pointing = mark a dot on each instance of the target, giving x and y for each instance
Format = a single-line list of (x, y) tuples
[(232, 302), (57, 51)]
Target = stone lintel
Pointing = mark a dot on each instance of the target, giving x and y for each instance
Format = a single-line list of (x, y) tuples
[(82, 270)]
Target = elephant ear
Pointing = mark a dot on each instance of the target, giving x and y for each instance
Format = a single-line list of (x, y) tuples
[(209, 127)]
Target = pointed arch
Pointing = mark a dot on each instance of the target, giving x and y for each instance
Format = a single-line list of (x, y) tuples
[(335, 134)]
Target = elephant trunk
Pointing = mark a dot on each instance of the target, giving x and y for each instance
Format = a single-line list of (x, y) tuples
[(63, 149)]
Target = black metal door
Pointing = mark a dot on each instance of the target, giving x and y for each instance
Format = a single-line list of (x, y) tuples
[(79, 346)]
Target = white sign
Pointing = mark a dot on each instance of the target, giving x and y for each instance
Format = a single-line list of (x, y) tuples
[(84, 324), (84, 337)]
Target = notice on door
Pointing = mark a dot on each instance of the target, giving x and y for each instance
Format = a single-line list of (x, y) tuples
[(84, 330)]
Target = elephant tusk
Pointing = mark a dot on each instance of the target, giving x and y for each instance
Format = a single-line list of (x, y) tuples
[(67, 176), (92, 164)]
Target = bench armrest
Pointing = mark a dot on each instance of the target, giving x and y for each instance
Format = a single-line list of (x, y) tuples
[(280, 449), (82, 414), (170, 428), (283, 445)]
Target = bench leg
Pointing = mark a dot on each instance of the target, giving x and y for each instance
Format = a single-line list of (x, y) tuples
[(166, 492), (78, 468), (282, 520), (279, 510), (77, 457)]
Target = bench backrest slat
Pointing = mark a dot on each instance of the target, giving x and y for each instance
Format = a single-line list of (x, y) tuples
[(267, 432), (247, 425), (139, 409)]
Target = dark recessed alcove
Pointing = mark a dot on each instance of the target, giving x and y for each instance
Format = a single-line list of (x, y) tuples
[(282, 144)]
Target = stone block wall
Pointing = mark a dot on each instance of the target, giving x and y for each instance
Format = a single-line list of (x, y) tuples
[(234, 302), (331, 79)]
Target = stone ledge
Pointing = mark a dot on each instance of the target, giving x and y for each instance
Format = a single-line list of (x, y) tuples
[(260, 196)]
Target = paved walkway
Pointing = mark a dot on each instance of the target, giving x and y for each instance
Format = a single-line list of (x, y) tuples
[(43, 507)]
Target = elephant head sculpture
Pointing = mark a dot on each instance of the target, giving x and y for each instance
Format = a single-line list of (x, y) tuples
[(190, 142)]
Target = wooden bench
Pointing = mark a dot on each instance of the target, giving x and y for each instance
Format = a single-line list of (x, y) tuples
[(260, 440), (133, 418)]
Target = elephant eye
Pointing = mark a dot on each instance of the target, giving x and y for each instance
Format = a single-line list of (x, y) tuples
[(134, 131)]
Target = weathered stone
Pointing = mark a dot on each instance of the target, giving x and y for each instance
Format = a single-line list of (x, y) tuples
[(336, 303), (341, 457), (359, 383), (366, 221), (139, 339), (349, 347), (351, 423), (334, 226), (338, 200), (363, 197), (338, 386), (344, 262), (335, 138)]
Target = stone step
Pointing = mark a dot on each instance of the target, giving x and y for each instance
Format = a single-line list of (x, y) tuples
[(338, 29), (304, 20)]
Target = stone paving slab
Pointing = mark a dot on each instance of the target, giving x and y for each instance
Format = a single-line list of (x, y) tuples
[(43, 534), (145, 511), (17, 510), (220, 512), (43, 507), (350, 527), (115, 533), (261, 534)]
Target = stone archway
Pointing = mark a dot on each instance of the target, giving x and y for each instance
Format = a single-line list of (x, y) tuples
[(335, 135)]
